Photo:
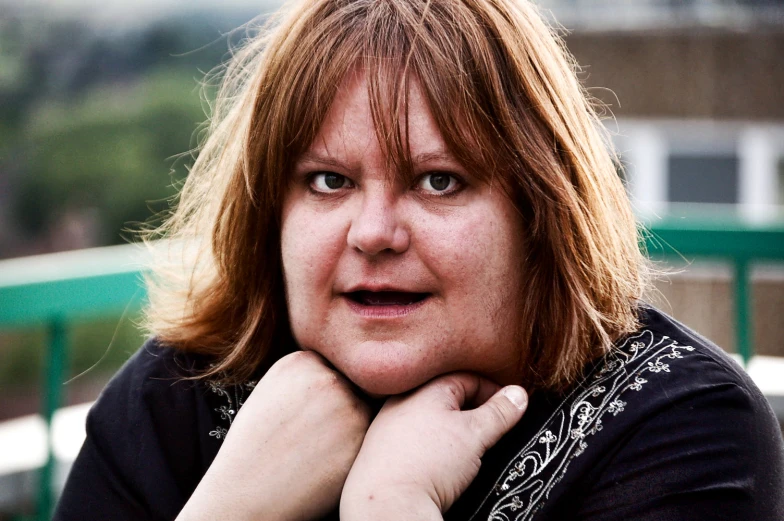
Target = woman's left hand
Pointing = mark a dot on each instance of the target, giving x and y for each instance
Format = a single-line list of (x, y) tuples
[(422, 450)]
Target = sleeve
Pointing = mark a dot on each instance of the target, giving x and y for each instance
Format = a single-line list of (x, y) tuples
[(139, 460), (715, 455)]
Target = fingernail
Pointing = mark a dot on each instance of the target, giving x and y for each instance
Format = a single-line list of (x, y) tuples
[(517, 396)]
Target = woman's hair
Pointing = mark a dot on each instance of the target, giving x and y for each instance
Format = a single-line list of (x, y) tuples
[(504, 94)]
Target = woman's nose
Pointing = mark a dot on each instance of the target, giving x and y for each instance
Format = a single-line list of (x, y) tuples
[(378, 227)]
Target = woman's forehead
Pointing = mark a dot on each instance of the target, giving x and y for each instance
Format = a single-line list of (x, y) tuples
[(351, 132)]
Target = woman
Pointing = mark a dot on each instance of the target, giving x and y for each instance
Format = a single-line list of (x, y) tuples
[(409, 204)]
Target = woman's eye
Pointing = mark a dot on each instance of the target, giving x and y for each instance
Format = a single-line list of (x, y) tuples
[(327, 182), (438, 183)]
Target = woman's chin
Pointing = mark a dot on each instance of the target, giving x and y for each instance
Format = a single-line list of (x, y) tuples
[(389, 383), (385, 368), (383, 377)]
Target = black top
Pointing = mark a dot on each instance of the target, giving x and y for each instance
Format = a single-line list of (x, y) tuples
[(664, 428)]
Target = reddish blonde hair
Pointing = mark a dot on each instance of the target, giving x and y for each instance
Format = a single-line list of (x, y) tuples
[(504, 94)]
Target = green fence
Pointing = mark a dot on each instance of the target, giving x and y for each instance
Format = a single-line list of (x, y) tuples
[(58, 290), (738, 244), (61, 289)]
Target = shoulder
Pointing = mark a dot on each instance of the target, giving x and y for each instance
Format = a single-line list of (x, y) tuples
[(155, 376), (666, 414), (668, 388), (153, 403), (684, 365), (157, 362), (662, 371), (699, 440), (159, 388), (662, 326), (155, 419), (147, 440)]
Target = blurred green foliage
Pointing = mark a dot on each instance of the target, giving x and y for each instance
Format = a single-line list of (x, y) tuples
[(107, 152), (99, 123)]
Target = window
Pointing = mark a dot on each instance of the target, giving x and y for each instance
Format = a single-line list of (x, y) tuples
[(703, 179), (781, 181)]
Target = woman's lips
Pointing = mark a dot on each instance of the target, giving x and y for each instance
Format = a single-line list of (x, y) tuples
[(384, 304)]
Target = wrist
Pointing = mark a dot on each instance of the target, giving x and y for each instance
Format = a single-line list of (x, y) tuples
[(388, 503), (214, 501)]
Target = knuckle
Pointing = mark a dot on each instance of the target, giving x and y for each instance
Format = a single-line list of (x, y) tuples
[(306, 357), (300, 360), (327, 379), (356, 410), (289, 361)]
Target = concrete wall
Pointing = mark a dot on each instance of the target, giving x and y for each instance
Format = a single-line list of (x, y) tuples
[(702, 298), (685, 73)]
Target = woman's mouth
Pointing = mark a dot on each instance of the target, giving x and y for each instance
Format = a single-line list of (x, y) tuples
[(385, 304)]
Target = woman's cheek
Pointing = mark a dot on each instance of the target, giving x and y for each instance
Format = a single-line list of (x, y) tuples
[(459, 246), (311, 247)]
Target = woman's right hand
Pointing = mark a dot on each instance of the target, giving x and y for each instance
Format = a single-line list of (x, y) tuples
[(289, 450)]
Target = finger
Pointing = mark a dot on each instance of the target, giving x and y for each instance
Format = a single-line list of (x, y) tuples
[(486, 390), (456, 390), (498, 415)]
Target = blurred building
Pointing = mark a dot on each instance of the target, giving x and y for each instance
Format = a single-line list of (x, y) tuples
[(697, 90), (694, 91)]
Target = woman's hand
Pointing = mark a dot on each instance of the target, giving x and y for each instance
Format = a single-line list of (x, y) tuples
[(422, 451), (289, 450)]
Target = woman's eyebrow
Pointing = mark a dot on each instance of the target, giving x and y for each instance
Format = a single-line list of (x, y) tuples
[(437, 155), (318, 158), (424, 157)]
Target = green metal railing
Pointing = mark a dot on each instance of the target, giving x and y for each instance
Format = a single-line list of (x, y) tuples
[(57, 290), (60, 289), (740, 245)]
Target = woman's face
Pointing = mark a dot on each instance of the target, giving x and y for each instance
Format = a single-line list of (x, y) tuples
[(393, 283)]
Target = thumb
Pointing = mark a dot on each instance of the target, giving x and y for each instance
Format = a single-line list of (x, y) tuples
[(498, 415)]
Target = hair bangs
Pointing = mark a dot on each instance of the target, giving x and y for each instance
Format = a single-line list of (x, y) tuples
[(442, 46), (435, 45)]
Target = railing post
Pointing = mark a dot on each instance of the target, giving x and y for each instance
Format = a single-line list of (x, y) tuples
[(743, 316), (55, 369)]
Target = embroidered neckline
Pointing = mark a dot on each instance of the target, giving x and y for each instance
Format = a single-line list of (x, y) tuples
[(526, 482), (235, 397)]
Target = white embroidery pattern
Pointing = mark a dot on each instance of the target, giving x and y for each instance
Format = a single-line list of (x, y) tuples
[(526, 482), (235, 397)]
